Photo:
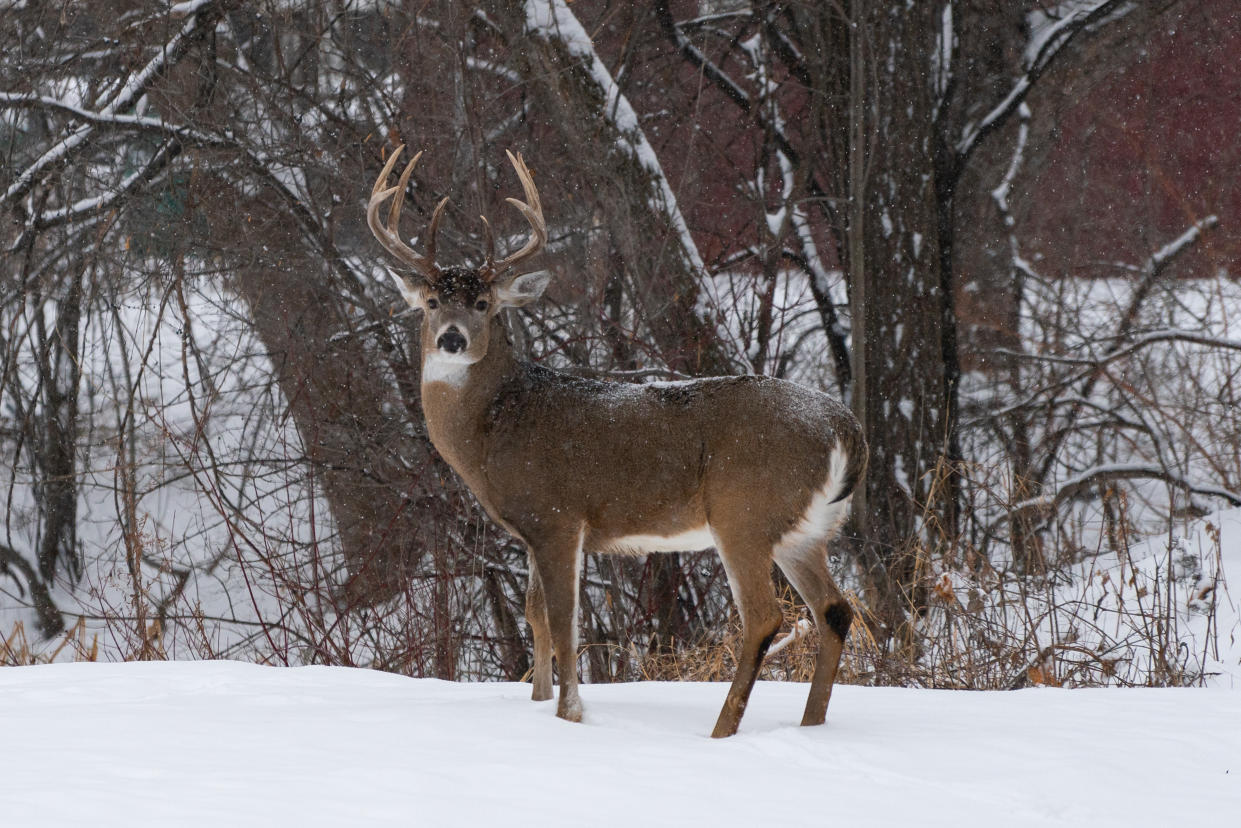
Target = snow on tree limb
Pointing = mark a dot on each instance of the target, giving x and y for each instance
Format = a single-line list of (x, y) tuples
[(104, 201), (180, 10), (104, 118), (1046, 44), (1002, 190), (1154, 268), (553, 21), (1121, 345), (1119, 471), (552, 17), (941, 59), (202, 14), (1164, 255), (807, 254)]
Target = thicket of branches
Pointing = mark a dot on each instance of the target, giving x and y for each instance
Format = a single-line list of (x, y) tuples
[(209, 391)]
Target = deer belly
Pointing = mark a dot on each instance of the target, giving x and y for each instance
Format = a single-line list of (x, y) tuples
[(693, 540)]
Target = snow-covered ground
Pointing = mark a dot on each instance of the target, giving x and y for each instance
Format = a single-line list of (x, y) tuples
[(1165, 610), (225, 743)]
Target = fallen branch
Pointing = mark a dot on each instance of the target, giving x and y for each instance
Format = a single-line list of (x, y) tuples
[(1117, 471)]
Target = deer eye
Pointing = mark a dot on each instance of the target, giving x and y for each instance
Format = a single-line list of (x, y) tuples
[(481, 305), (432, 303)]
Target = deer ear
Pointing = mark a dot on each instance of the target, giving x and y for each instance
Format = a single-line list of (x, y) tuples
[(409, 288), (523, 289)]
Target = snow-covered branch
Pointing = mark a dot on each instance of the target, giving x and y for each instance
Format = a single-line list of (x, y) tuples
[(941, 60), (553, 22), (1119, 471), (96, 204), (201, 16), (1002, 190), (553, 18), (1047, 43), (181, 132), (1164, 255)]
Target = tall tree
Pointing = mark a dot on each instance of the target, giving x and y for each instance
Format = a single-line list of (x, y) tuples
[(899, 99)]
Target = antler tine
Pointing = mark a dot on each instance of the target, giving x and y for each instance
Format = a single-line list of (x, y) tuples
[(398, 199), (389, 235), (527, 181), (490, 263), (532, 209), (434, 227), (387, 170)]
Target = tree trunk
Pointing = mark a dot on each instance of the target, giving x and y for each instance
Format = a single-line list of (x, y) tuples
[(595, 125), (899, 262), (355, 407)]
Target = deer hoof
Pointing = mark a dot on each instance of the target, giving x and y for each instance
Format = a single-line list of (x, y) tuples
[(570, 711)]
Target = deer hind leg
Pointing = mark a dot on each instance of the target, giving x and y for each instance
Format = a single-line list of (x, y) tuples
[(536, 617), (557, 563), (806, 568), (748, 565)]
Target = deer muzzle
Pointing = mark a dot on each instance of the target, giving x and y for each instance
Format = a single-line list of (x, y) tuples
[(452, 341)]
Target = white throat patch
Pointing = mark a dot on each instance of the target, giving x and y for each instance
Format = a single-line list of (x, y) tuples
[(451, 369)]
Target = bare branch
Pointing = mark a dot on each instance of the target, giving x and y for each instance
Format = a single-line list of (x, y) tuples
[(1119, 471), (1154, 268), (1055, 39), (1117, 353), (88, 207), (202, 18), (104, 118)]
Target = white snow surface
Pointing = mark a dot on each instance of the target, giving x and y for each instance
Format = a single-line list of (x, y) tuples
[(225, 743)]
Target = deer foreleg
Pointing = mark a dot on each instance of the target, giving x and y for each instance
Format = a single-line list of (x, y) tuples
[(558, 563), (536, 616)]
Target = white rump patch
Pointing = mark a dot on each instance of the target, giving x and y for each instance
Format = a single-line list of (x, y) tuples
[(822, 517), (695, 540), (451, 369)]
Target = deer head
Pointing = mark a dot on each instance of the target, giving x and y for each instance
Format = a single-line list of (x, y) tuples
[(459, 302)]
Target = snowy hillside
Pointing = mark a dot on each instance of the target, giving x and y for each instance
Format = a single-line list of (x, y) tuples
[(224, 743)]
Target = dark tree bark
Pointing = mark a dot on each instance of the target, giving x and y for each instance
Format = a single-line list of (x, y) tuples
[(899, 103), (904, 329), (648, 240)]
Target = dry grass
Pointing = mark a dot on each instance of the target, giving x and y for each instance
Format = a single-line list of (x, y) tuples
[(1113, 612), (1119, 611), (16, 651), (791, 656)]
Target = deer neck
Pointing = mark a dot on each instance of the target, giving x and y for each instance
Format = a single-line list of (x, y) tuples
[(456, 398)]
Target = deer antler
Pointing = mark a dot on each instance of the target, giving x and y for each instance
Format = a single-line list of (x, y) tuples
[(532, 209), (389, 236)]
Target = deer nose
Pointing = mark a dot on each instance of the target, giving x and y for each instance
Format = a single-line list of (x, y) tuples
[(451, 340)]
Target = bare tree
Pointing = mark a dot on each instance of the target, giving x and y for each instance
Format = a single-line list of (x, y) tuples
[(250, 130), (196, 322)]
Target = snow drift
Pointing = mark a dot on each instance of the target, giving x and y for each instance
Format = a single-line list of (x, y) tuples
[(225, 743)]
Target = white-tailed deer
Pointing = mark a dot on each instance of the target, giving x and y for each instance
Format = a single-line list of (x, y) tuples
[(759, 468)]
